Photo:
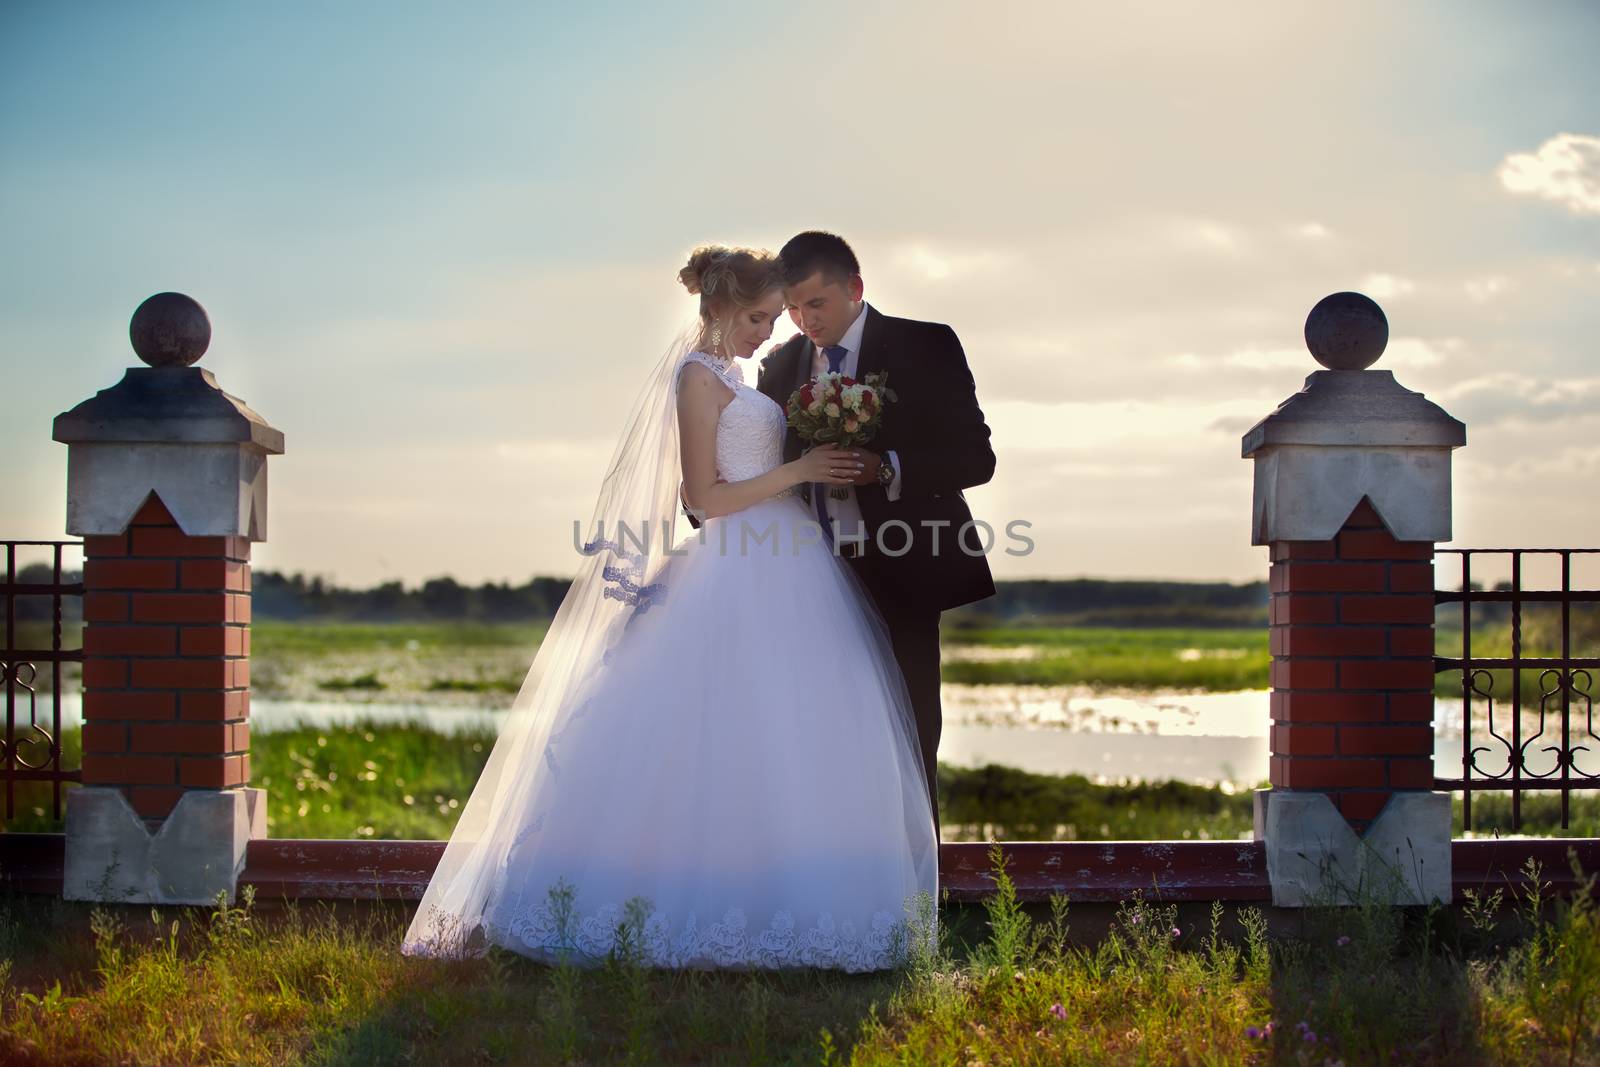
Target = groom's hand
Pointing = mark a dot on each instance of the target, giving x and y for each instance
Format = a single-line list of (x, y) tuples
[(869, 473)]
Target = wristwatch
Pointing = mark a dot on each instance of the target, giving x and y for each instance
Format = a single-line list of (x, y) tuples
[(885, 474)]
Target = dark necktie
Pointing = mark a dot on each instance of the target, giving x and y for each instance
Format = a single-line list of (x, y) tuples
[(835, 355)]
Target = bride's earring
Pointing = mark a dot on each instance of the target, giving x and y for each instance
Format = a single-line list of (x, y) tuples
[(716, 338)]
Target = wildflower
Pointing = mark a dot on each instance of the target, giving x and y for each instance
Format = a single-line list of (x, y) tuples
[(1136, 918), (1271, 1026), (1254, 1033), (1017, 977), (1058, 1011), (1176, 932), (1344, 939)]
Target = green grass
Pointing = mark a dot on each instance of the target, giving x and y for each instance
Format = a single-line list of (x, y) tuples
[(1507, 980), (397, 781), (1189, 659), (280, 638)]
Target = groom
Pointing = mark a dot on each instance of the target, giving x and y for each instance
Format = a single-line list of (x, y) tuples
[(932, 444)]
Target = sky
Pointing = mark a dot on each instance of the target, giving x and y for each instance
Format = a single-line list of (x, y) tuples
[(438, 243)]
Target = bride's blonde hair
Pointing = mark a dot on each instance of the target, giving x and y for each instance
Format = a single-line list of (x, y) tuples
[(727, 279)]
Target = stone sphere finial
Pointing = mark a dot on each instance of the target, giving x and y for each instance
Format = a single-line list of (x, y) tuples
[(170, 330), (1346, 331)]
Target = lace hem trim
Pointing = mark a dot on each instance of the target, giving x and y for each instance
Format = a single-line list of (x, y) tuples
[(557, 933)]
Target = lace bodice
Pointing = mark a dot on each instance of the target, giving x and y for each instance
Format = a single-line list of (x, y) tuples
[(750, 429)]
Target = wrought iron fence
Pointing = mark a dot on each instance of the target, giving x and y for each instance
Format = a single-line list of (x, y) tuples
[(1562, 691), (34, 755)]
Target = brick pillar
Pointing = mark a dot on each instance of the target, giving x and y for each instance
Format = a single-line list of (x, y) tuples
[(167, 485), (166, 662), (1352, 666), (1351, 493)]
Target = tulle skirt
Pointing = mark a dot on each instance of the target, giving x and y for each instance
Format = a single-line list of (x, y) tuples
[(738, 786)]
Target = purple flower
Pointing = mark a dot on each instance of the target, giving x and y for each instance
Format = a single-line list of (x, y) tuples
[(1176, 932), (1253, 1033), (1058, 1011), (1136, 917), (1308, 1035), (1344, 939)]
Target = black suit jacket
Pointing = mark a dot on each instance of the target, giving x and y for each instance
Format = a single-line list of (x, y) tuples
[(937, 431)]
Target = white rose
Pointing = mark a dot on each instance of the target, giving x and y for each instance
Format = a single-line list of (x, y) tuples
[(833, 410)]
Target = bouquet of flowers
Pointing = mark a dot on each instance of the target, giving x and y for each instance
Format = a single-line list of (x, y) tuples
[(835, 409)]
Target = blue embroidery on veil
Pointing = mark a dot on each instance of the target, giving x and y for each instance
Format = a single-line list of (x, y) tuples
[(624, 578)]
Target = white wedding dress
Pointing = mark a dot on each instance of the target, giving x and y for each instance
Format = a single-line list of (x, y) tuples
[(742, 759)]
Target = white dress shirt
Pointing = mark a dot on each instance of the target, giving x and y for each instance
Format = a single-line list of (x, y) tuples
[(846, 513)]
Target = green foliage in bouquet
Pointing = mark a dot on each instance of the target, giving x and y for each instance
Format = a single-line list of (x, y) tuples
[(834, 409)]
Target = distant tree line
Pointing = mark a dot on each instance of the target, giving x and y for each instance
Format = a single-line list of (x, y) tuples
[(1075, 602)]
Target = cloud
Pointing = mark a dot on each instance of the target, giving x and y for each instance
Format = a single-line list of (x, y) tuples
[(938, 264), (1566, 169), (1387, 286), (1308, 231), (1505, 396)]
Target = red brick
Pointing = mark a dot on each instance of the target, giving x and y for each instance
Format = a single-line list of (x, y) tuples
[(105, 737), (1298, 707), (1302, 740), (1394, 608), (238, 607), (1385, 741), (187, 738), (1304, 674), (244, 768), (103, 546), (1329, 641), (1411, 577), (1410, 640), (239, 737), (1287, 550), (1328, 578), (130, 574), (1411, 773), (1275, 771), (154, 801), (1333, 773), (1362, 806), (1300, 608), (121, 704), (1380, 544), (101, 640), (153, 513), (1386, 674), (181, 673), (1363, 517), (115, 770), (1411, 707), (105, 673), (212, 772), (214, 641), (216, 574), (169, 541), (238, 674), (215, 704), (105, 607), (180, 607)]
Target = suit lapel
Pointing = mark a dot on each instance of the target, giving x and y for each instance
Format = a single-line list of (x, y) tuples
[(802, 363), (792, 445), (872, 353)]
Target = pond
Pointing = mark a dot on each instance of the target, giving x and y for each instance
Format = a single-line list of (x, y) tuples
[(1207, 738)]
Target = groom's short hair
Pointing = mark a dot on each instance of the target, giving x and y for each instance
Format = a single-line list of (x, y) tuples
[(813, 251)]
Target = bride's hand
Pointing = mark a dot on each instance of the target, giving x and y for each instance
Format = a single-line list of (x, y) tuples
[(833, 466)]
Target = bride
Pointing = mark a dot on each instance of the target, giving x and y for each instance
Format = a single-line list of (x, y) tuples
[(713, 760)]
